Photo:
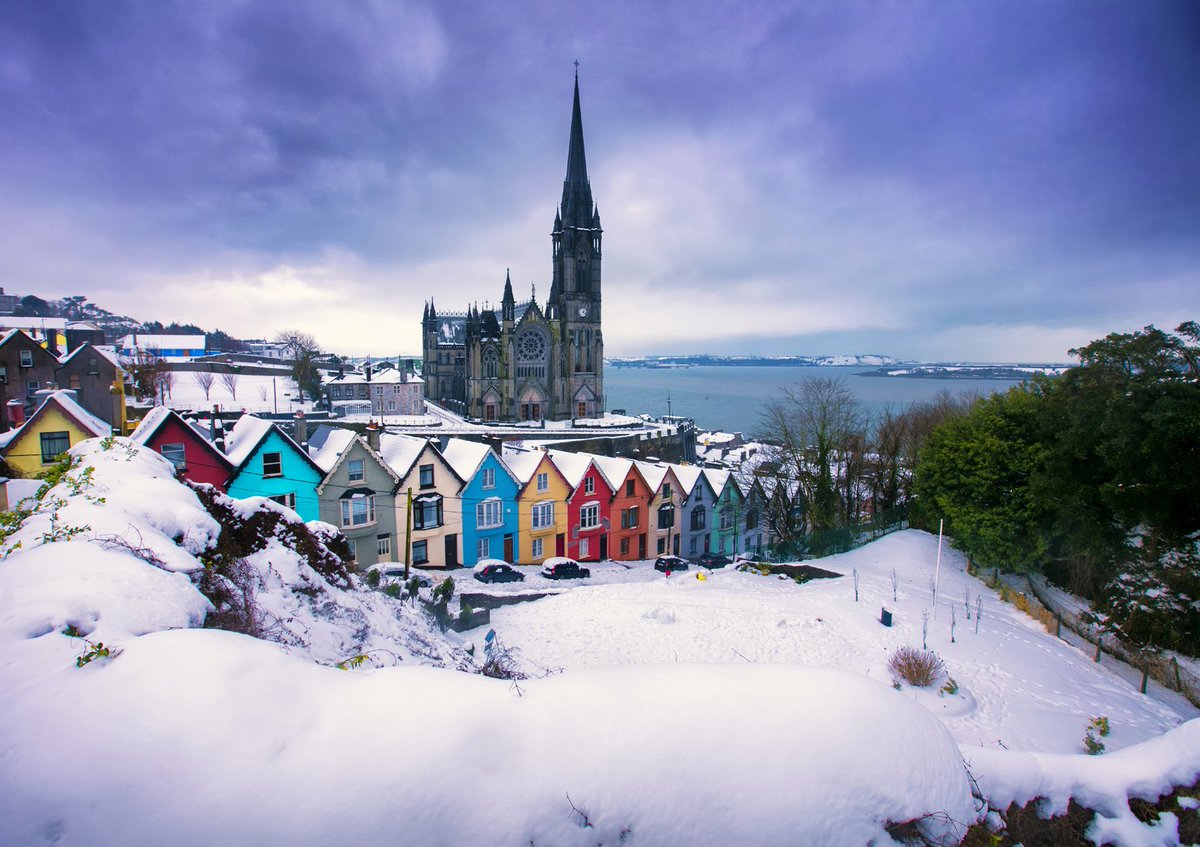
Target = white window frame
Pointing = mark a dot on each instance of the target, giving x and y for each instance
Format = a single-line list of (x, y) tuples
[(543, 514), (489, 477), (589, 516), (535, 548), (543, 482), (278, 463), (483, 548), (383, 547), (589, 485), (584, 547), (179, 460), (356, 470), (350, 542), (27, 358), (351, 516), (489, 513)]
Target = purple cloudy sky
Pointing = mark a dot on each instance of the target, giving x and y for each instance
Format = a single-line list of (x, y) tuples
[(983, 180)]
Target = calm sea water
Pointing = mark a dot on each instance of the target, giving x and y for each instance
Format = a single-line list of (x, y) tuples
[(731, 398)]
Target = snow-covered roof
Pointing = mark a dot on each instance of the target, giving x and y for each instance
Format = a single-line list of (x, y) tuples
[(687, 476), (66, 400), (465, 456), (716, 478), (613, 468), (334, 444), (33, 323), (245, 435), (400, 451), (523, 465), (106, 352), (652, 472), (573, 466), (155, 418)]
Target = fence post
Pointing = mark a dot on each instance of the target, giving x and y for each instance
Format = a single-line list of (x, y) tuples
[(1178, 681), (1099, 641), (1058, 626), (1145, 678)]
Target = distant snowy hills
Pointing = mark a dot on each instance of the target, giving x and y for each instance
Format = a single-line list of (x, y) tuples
[(857, 360)]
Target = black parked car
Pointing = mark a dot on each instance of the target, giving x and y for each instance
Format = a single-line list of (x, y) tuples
[(666, 564), (498, 572), (560, 568), (713, 560)]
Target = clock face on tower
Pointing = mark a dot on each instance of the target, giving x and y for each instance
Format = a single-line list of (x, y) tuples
[(583, 310)]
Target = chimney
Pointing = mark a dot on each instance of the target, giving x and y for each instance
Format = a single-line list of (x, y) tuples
[(16, 412), (212, 424), (301, 430), (373, 436), (218, 430)]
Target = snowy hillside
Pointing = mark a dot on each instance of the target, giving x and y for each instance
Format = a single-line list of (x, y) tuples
[(122, 722)]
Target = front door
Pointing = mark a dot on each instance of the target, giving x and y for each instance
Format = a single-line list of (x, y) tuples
[(560, 545), (675, 545), (603, 547), (641, 546), (452, 551), (508, 548)]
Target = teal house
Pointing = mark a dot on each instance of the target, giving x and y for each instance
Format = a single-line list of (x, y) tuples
[(489, 502), (728, 512), (267, 463)]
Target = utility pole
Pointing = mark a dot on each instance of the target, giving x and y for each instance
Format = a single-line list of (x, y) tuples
[(274, 395), (407, 535)]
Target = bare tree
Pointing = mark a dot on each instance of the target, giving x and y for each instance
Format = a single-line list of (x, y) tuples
[(262, 391), (302, 348), (147, 369), (229, 379), (205, 380)]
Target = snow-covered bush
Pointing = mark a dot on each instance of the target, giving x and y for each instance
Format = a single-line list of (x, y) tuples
[(1156, 599), (916, 667)]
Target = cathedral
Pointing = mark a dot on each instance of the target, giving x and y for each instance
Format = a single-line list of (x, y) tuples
[(526, 362)]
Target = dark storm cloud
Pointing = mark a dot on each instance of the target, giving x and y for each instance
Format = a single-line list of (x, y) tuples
[(817, 172)]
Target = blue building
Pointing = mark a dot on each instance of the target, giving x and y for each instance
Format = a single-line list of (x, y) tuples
[(489, 502), (267, 463)]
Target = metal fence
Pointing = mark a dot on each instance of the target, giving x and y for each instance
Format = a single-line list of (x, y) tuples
[(1067, 624)]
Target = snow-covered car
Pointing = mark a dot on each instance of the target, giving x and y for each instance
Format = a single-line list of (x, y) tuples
[(712, 560), (748, 559), (560, 567), (666, 564), (390, 570), (495, 570)]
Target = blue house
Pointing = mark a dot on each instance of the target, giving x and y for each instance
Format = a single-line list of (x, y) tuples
[(267, 463), (489, 502)]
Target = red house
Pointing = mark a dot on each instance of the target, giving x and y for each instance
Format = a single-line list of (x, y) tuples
[(588, 506), (193, 456)]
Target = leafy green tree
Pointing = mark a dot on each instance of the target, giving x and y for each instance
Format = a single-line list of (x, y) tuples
[(974, 472)]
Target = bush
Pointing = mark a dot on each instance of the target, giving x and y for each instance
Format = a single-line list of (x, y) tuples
[(916, 667)]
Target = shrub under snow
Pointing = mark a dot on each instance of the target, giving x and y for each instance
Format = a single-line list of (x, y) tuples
[(916, 667)]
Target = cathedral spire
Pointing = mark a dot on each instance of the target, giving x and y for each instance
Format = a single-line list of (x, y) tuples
[(576, 160)]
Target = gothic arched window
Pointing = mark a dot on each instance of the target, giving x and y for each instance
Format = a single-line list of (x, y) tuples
[(491, 363)]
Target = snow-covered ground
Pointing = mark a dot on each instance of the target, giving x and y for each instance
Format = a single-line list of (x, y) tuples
[(1019, 686), (254, 393), (688, 711)]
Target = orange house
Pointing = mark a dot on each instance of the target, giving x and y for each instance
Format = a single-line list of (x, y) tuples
[(629, 513)]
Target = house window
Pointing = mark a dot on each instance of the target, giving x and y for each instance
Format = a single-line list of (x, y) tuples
[(692, 546), (383, 547), (26, 358), (624, 546), (666, 489), (73, 381), (54, 444), (584, 547), (488, 514), (420, 552), (629, 488), (358, 510), (629, 518), (427, 511), (589, 516), (666, 516), (752, 518), (699, 518), (543, 482), (536, 548), (174, 453), (726, 520), (427, 476), (272, 464), (543, 515), (662, 546), (589, 485), (32, 387), (353, 549), (356, 470), (483, 549), (288, 499), (489, 477), (4, 375)]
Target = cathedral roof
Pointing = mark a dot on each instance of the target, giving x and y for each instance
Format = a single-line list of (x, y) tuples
[(451, 331)]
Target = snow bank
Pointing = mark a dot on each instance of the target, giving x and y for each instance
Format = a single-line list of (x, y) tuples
[(204, 737)]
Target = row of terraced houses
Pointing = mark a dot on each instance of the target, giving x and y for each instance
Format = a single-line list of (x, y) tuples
[(462, 500)]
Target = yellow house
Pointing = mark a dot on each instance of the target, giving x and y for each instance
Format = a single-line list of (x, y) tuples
[(436, 540), (541, 505), (58, 425)]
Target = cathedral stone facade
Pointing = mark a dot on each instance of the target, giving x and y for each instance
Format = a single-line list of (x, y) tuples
[(526, 362)]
